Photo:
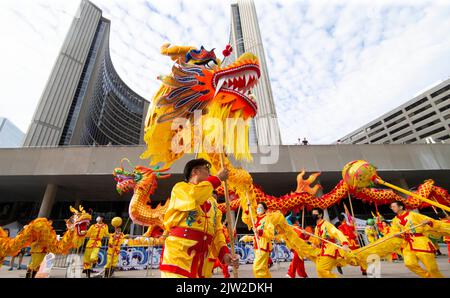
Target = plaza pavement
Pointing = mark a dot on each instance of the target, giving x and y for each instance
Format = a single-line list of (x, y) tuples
[(388, 270)]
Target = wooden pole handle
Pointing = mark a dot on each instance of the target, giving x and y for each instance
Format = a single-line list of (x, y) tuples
[(436, 204), (230, 223)]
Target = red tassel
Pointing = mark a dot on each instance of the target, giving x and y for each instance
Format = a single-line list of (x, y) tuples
[(227, 51)]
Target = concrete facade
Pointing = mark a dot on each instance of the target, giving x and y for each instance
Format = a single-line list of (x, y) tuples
[(425, 116), (246, 37)]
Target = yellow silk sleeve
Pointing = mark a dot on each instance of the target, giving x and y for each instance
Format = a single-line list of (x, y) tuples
[(219, 238), (336, 233), (269, 231), (90, 231), (247, 238), (187, 196)]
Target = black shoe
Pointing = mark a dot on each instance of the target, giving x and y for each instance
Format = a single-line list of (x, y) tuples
[(339, 269), (28, 274)]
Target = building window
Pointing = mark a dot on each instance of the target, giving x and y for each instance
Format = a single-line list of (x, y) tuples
[(445, 108), (396, 122), (416, 104), (411, 141), (375, 132), (432, 132), (379, 138), (423, 118), (402, 136), (393, 116), (370, 128), (429, 124), (438, 101), (398, 129), (360, 140), (419, 110), (440, 91)]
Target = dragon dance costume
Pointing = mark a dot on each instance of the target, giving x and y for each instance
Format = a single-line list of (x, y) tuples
[(297, 265), (330, 256), (38, 252), (114, 243), (217, 263), (351, 234), (447, 240), (95, 233), (416, 245), (371, 234), (263, 247), (195, 236)]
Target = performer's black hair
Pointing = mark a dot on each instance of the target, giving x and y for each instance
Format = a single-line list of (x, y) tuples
[(263, 204), (400, 203), (318, 210), (193, 164)]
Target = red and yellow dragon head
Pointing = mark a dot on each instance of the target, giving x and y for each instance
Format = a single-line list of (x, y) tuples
[(199, 82)]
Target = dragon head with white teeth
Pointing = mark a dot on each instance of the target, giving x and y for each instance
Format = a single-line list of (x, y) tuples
[(198, 82)]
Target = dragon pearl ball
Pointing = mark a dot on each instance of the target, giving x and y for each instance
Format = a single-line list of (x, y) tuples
[(359, 174), (116, 222)]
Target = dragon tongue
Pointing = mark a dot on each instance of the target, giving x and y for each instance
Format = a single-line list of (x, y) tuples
[(219, 85)]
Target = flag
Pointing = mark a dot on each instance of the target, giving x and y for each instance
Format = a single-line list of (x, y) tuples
[(349, 216)]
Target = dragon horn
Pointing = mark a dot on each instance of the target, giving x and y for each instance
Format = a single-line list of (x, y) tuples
[(164, 176), (73, 210), (161, 170), (121, 162)]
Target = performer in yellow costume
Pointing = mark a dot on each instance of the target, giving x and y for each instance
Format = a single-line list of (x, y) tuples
[(329, 254), (416, 245), (95, 233), (265, 233), (370, 231), (38, 252), (115, 241), (193, 220)]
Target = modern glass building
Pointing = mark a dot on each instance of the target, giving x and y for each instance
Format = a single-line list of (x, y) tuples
[(246, 37), (10, 135), (85, 102)]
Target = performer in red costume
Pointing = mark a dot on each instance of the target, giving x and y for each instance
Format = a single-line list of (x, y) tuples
[(297, 266), (349, 231)]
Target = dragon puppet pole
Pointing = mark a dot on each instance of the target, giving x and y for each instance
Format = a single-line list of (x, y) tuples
[(407, 192), (390, 237), (253, 221), (446, 214), (322, 239), (230, 224), (351, 209), (303, 217)]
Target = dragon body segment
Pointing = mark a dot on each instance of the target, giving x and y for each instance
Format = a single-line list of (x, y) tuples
[(41, 233)]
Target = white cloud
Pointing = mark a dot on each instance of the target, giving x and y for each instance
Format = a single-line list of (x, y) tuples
[(334, 66)]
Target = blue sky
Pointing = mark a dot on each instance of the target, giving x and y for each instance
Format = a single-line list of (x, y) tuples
[(334, 65)]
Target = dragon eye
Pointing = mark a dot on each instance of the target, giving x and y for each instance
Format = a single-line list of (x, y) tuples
[(211, 64)]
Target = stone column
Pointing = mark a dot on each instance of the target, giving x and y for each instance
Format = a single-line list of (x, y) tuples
[(48, 200)]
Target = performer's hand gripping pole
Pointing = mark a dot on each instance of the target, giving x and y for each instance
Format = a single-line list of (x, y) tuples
[(390, 237), (323, 239)]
